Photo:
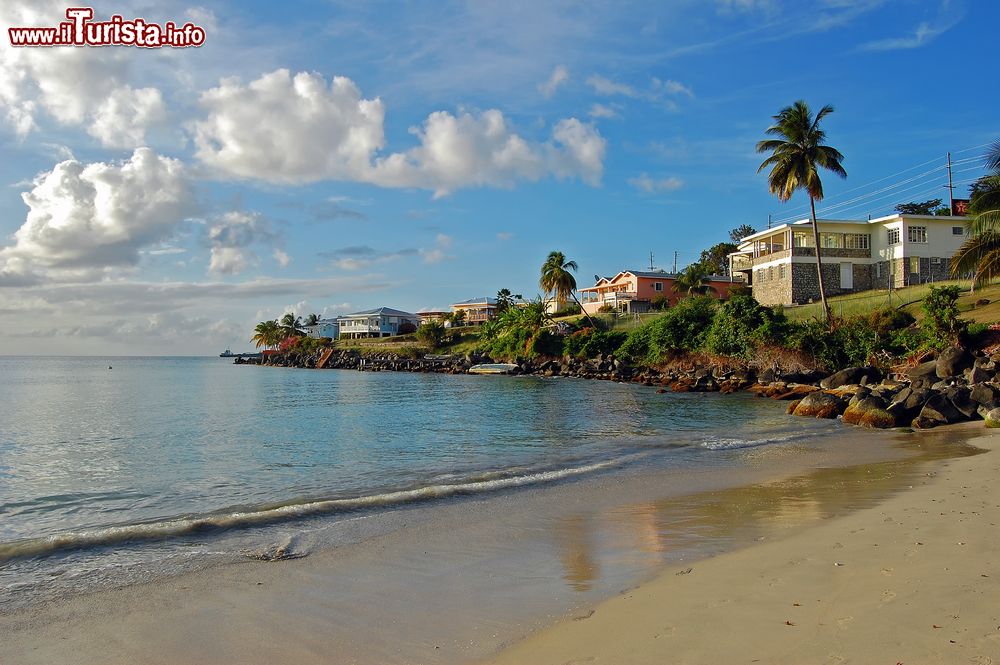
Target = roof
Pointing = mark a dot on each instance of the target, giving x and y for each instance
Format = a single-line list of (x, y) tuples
[(651, 274), (381, 311), (433, 310), (477, 301)]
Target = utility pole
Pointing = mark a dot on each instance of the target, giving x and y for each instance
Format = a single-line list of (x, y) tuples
[(675, 261), (650, 262), (768, 220), (951, 189)]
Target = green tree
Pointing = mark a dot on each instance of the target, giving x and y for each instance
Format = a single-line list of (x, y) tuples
[(431, 333), (741, 232), (941, 321), (797, 155), (715, 259), (267, 334), (919, 208), (693, 281), (557, 279), (506, 300), (291, 326), (312, 319), (979, 255)]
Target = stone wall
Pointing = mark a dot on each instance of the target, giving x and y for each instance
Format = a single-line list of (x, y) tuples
[(931, 270), (775, 291)]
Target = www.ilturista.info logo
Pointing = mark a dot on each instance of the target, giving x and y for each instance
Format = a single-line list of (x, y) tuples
[(80, 30)]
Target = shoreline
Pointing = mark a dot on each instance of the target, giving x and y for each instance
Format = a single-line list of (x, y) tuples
[(224, 616), (924, 562)]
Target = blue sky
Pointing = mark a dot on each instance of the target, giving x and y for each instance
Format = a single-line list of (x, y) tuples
[(333, 156)]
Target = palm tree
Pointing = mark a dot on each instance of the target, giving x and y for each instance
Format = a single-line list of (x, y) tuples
[(312, 319), (559, 281), (693, 281), (291, 326), (267, 334), (796, 157), (980, 254)]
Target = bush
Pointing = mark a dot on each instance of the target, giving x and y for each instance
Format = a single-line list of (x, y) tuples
[(684, 327), (859, 340), (941, 323), (590, 343), (605, 309), (431, 333), (741, 323)]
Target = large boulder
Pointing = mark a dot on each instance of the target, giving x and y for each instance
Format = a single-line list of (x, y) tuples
[(992, 418), (820, 405), (937, 411), (959, 396), (869, 412), (952, 362), (985, 395), (851, 376), (923, 375)]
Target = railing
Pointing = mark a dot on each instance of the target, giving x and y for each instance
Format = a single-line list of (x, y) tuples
[(834, 252), (619, 295)]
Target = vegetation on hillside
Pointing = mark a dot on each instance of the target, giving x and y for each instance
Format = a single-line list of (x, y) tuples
[(980, 254)]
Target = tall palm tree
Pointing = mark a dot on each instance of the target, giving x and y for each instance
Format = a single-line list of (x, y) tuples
[(291, 326), (693, 281), (559, 281), (980, 254), (312, 319), (796, 157), (267, 334)]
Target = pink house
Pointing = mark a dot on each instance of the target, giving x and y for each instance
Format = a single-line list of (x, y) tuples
[(636, 290)]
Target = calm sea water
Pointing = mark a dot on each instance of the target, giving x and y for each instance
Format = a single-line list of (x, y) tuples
[(109, 475)]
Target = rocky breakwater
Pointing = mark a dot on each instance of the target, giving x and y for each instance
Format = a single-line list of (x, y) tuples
[(954, 386)]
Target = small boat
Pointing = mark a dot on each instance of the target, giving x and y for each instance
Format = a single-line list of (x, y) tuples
[(493, 368), (227, 354)]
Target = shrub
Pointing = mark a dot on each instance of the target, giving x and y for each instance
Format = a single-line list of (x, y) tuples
[(431, 333), (605, 308), (941, 323), (741, 323), (590, 343), (683, 327), (659, 302), (865, 339)]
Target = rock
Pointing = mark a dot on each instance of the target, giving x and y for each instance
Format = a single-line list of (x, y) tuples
[(959, 396), (861, 394), (937, 411), (792, 406), (992, 418), (794, 392), (851, 376), (977, 374), (820, 405), (985, 395), (952, 362), (908, 403), (923, 375), (767, 376), (869, 412)]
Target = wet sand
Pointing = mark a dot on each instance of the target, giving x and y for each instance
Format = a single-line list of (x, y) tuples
[(456, 582), (913, 580)]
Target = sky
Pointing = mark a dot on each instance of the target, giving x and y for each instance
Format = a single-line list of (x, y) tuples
[(330, 157)]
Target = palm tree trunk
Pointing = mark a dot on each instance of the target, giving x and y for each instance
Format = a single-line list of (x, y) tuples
[(592, 324), (819, 262)]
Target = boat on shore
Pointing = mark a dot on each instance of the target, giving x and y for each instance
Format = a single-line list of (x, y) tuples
[(229, 354), (493, 368)]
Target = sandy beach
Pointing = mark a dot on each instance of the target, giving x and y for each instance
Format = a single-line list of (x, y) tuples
[(913, 580)]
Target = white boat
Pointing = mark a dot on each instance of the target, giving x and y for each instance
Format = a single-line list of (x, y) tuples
[(493, 368)]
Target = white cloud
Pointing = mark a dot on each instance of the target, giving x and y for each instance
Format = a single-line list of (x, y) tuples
[(82, 87), (923, 34), (289, 129), (605, 86), (672, 87), (122, 119), (232, 236), (438, 253), (504, 236), (602, 111), (281, 258), (559, 76), (653, 185), (293, 130), (99, 215)]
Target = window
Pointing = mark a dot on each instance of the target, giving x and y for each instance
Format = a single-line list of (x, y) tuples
[(781, 271), (915, 265), (831, 240), (958, 230), (857, 241), (916, 234), (770, 272), (802, 240), (893, 236), (657, 286)]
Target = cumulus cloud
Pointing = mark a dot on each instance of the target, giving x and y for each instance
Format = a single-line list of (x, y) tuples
[(652, 185), (602, 111), (232, 237), (83, 87), (297, 129), (559, 76), (99, 215)]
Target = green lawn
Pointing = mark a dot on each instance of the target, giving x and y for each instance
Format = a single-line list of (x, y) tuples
[(907, 298)]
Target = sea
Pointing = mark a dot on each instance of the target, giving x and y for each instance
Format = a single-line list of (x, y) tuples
[(122, 470)]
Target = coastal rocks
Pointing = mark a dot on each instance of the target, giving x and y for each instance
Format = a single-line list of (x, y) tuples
[(820, 405), (908, 403), (992, 418), (937, 411), (923, 375), (851, 376), (870, 412), (952, 362)]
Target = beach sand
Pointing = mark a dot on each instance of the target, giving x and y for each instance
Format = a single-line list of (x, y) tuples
[(474, 576), (915, 579)]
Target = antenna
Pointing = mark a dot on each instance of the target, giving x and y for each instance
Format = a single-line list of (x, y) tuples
[(951, 189), (768, 220), (675, 261), (650, 262)]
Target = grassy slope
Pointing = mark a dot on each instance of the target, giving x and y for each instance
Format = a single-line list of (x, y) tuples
[(909, 298)]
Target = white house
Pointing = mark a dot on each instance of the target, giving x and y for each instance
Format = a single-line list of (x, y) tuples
[(858, 255), (381, 322), (325, 328)]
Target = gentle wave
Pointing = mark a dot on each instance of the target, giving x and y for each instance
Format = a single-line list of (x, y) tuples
[(486, 482), (729, 443)]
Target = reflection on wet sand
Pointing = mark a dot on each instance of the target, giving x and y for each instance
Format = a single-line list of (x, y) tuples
[(644, 535)]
